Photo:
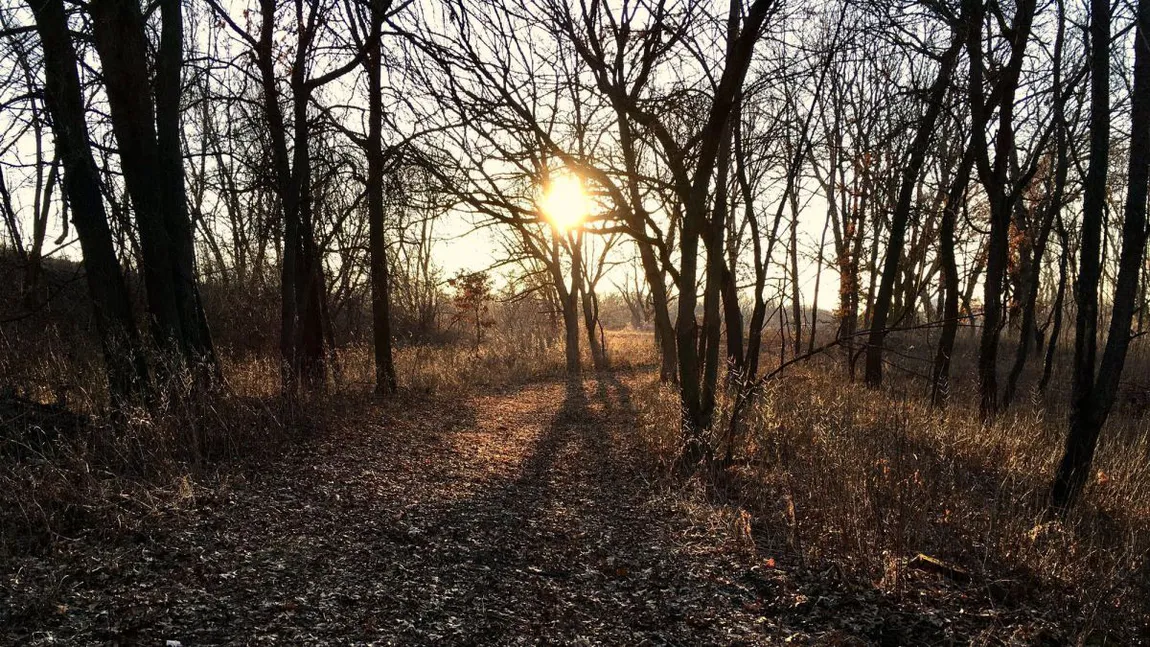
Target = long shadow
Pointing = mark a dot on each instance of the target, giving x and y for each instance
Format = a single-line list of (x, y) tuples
[(512, 555), (568, 548)]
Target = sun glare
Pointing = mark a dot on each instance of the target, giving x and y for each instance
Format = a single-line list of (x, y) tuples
[(564, 202)]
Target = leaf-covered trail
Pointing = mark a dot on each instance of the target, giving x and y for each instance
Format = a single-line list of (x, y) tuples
[(509, 518)]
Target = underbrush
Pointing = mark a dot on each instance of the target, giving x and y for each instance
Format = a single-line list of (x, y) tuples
[(830, 472), (95, 474)]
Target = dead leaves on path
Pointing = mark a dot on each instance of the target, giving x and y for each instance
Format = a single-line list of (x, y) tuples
[(511, 518)]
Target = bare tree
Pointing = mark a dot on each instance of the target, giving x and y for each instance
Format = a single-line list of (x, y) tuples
[(1094, 394), (145, 115), (123, 352)]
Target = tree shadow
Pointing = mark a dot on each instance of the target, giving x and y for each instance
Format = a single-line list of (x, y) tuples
[(569, 547)]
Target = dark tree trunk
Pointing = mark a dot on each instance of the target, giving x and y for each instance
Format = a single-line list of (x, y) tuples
[(149, 145), (302, 290), (385, 380), (796, 295), (118, 28), (1093, 214), (11, 220), (732, 315), (311, 294), (664, 330), (180, 230), (1090, 412), (35, 255), (1059, 300), (591, 324), (940, 375), (123, 353), (569, 300), (818, 281), (901, 216), (712, 331), (849, 290), (571, 333), (285, 187), (697, 388), (1028, 334), (995, 180), (733, 318)]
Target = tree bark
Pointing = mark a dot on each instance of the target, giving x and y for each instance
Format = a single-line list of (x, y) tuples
[(697, 387), (1092, 409), (124, 361), (385, 380), (994, 177), (940, 375), (149, 145), (1059, 300), (901, 216)]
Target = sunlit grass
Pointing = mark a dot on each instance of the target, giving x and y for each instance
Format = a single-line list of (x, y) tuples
[(831, 472)]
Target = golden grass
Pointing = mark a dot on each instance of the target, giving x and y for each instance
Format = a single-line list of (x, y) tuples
[(501, 361), (833, 472)]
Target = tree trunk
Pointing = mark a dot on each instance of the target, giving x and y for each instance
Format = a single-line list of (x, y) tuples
[(150, 159), (181, 234), (124, 361), (571, 334), (385, 380), (42, 204), (591, 324), (1091, 411), (1028, 335), (118, 28), (940, 375), (901, 216), (732, 315), (995, 180), (569, 299), (664, 330), (1059, 299), (697, 388), (818, 281), (796, 294)]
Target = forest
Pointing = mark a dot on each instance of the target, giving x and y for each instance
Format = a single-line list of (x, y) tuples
[(587, 322)]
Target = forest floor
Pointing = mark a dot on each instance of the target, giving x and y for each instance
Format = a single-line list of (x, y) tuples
[(521, 516), (508, 518)]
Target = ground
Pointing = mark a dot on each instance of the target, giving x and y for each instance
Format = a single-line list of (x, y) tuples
[(517, 517), (526, 515)]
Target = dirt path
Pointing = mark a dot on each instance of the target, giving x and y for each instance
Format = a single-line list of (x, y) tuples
[(513, 518)]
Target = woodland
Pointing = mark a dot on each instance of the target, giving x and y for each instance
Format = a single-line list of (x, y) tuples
[(588, 322)]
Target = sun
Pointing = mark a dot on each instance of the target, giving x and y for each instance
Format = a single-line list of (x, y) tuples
[(564, 202)]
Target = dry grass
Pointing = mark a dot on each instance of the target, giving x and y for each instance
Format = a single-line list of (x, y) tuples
[(501, 361), (825, 472), (831, 472), (95, 474)]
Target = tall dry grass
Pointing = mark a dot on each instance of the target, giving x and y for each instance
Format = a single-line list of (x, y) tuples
[(502, 360), (831, 472), (68, 467)]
